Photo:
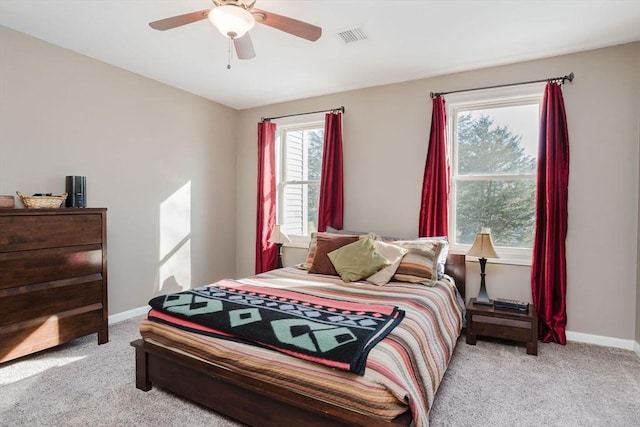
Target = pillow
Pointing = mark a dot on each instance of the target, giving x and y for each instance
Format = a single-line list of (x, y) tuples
[(357, 260), (394, 254), (420, 264), (326, 243), (444, 252), (311, 252)]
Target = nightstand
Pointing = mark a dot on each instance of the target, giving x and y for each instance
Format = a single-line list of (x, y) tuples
[(485, 320)]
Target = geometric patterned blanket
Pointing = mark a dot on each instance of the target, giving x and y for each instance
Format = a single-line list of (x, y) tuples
[(332, 332)]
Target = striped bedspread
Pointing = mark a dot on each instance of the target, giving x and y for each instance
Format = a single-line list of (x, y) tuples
[(403, 370)]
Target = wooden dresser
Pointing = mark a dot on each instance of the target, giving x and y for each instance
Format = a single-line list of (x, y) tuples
[(53, 278)]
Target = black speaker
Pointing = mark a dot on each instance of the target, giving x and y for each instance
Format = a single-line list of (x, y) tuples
[(76, 191)]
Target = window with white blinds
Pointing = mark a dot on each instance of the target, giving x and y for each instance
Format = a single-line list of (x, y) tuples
[(300, 166)]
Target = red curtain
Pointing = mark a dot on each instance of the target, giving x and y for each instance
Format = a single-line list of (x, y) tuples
[(266, 253), (331, 208), (549, 272), (434, 208)]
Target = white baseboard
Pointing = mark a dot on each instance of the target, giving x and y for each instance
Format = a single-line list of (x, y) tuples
[(602, 340), (636, 348), (129, 314)]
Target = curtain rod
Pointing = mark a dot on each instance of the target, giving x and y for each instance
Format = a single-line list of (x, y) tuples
[(563, 78), (333, 110)]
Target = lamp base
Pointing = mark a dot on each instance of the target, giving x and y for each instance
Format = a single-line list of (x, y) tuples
[(279, 245), (483, 302), (483, 297)]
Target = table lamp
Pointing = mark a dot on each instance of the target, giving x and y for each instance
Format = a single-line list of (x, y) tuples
[(483, 248), (279, 237)]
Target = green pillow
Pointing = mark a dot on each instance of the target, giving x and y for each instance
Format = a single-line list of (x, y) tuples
[(357, 260)]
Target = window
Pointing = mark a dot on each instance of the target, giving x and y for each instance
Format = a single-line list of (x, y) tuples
[(494, 150), (298, 184)]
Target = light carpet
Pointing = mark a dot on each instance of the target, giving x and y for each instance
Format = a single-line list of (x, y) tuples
[(489, 384)]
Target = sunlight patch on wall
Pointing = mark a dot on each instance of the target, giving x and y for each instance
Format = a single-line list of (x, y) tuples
[(175, 241)]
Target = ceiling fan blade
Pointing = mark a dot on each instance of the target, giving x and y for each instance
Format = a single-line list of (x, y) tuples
[(180, 20), (288, 25), (244, 47)]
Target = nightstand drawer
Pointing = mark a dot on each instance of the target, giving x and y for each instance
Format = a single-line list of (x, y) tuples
[(517, 330)]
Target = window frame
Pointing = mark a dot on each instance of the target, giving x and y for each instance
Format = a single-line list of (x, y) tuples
[(288, 124), (487, 98)]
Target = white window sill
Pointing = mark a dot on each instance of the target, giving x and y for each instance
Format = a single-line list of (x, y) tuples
[(504, 261), (507, 256), (298, 245)]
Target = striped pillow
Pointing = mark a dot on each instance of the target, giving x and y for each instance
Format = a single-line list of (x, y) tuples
[(311, 252), (420, 264), (444, 253)]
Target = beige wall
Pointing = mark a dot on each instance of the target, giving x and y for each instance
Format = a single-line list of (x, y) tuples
[(145, 148), (385, 144), (181, 212)]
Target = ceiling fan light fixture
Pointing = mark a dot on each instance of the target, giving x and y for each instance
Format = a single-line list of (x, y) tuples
[(231, 21)]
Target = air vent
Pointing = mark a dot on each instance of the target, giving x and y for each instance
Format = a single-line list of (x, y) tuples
[(352, 35)]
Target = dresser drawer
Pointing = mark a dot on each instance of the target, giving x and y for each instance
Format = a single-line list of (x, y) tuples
[(24, 338), (48, 265), (46, 300), (27, 232)]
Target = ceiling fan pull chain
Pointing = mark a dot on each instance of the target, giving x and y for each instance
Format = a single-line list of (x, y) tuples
[(229, 55)]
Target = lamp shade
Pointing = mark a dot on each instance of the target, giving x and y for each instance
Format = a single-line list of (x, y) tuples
[(231, 21), (483, 246), (279, 236)]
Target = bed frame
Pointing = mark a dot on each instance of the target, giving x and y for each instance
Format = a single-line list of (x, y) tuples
[(246, 399)]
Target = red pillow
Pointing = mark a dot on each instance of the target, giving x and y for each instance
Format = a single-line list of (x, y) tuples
[(325, 244)]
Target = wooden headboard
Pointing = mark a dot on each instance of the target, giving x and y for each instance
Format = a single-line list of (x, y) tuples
[(456, 267)]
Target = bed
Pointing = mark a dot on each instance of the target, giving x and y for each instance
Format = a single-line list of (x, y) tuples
[(261, 387)]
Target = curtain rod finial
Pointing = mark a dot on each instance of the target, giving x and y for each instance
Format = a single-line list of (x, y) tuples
[(432, 95), (570, 77)]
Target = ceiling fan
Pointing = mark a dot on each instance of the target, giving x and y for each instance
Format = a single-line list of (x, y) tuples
[(234, 18)]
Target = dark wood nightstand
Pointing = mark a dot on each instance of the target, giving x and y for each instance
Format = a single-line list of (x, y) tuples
[(485, 320)]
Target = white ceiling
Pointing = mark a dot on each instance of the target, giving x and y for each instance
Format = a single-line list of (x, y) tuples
[(407, 40)]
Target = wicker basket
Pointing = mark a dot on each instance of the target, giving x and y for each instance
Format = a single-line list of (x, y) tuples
[(41, 202)]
